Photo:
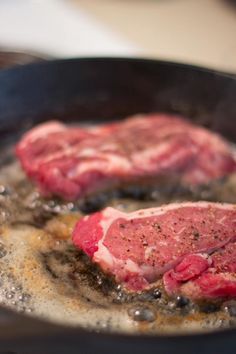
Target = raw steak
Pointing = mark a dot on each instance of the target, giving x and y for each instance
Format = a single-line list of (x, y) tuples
[(175, 240), (203, 276), (72, 162)]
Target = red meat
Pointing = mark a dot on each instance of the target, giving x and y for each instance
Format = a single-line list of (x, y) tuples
[(72, 162), (191, 244), (216, 277)]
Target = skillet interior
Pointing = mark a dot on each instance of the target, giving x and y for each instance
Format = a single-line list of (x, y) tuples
[(109, 89)]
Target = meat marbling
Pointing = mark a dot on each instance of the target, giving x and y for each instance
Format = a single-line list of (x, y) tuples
[(72, 162), (191, 245)]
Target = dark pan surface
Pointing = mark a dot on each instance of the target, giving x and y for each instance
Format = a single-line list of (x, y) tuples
[(106, 89)]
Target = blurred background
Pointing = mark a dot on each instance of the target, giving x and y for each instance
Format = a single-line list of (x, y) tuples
[(201, 32)]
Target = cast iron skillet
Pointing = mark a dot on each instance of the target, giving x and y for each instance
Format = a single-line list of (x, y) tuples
[(106, 89)]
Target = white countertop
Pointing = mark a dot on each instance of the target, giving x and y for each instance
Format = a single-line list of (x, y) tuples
[(194, 31), (57, 28)]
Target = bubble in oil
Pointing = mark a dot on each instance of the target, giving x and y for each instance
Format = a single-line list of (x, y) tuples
[(5, 191), (10, 295), (70, 206), (181, 301), (99, 280), (157, 293), (32, 201), (230, 307), (3, 251), (18, 288), (171, 305), (150, 296), (57, 208), (28, 310), (24, 297), (142, 314), (121, 297)]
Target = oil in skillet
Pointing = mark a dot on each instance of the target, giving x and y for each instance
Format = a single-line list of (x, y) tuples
[(75, 281)]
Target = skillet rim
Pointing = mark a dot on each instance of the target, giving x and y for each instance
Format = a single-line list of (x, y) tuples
[(57, 328), (180, 64)]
